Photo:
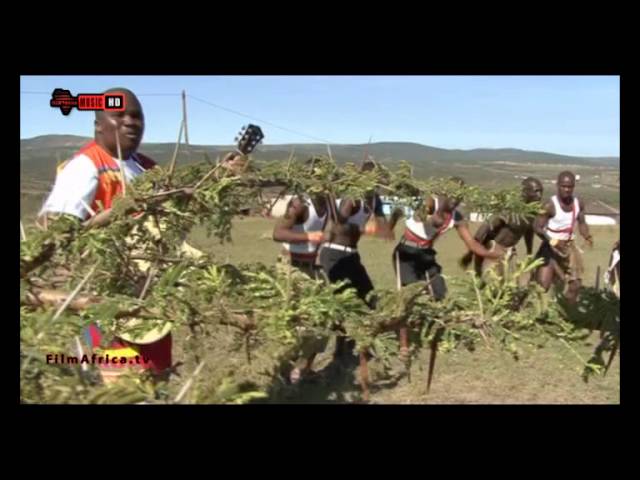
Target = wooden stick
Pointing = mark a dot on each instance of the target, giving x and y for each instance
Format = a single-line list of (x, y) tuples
[(426, 274), (247, 347), (150, 275), (160, 259), (484, 337), (73, 294), (188, 383), (333, 201), (283, 191), (38, 224), (332, 207), (273, 204), (122, 179), (92, 213), (184, 117), (168, 193), (364, 376), (99, 220), (83, 365), (366, 151), (45, 296), (613, 354), (172, 165), (598, 278), (23, 235), (206, 177), (329, 151), (404, 339), (432, 356), (403, 332), (404, 350), (293, 149), (398, 280)]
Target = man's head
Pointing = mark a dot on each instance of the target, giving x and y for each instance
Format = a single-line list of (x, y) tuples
[(452, 202), (566, 184), (532, 189), (368, 166), (128, 125)]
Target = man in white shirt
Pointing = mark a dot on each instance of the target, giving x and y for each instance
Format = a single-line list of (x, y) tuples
[(82, 180), (86, 186), (563, 214)]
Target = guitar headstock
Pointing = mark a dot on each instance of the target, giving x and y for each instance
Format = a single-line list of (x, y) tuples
[(249, 138)]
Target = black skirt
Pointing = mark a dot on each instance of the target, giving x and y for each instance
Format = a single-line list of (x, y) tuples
[(415, 264), (339, 265)]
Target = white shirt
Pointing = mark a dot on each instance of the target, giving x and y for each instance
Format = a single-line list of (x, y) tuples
[(427, 231), (563, 220), (362, 216), (314, 223), (75, 186)]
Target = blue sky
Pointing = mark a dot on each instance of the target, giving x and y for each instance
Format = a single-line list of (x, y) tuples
[(573, 115)]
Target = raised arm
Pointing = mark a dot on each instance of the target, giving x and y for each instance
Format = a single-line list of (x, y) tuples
[(484, 231), (380, 226), (283, 230), (472, 244), (540, 223)]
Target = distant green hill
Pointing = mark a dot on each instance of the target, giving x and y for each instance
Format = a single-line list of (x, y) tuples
[(39, 155)]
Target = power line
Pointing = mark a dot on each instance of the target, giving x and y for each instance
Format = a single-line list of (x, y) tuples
[(323, 140), (207, 102)]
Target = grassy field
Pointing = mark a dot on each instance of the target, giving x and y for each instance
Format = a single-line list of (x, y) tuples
[(550, 375)]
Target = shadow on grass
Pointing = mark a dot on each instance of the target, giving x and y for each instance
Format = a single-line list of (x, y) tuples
[(596, 310)]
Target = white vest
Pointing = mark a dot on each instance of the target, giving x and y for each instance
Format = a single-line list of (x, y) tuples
[(360, 217), (314, 223), (427, 232), (563, 225)]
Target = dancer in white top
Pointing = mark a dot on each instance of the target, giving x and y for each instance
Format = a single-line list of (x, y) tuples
[(415, 253), (563, 214), (301, 231), (612, 274)]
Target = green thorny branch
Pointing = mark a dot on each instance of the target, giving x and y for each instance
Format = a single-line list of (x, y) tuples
[(321, 175), (271, 309)]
